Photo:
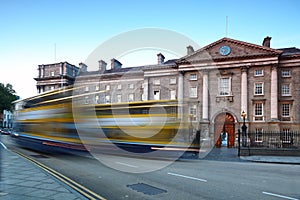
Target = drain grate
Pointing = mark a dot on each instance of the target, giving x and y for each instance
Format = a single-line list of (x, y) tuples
[(38, 156), (146, 189)]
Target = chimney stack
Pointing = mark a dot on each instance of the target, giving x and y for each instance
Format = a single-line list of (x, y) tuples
[(115, 64), (102, 66), (190, 50), (160, 58), (83, 67), (267, 42)]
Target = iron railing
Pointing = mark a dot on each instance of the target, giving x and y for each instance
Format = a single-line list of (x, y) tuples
[(273, 139)]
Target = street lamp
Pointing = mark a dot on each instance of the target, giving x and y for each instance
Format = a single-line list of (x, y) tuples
[(244, 129)]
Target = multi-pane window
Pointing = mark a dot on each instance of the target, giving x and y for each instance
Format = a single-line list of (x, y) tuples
[(286, 135), (285, 90), (258, 111), (156, 82), (156, 94), (131, 97), (130, 86), (193, 113), (107, 98), (285, 110), (258, 88), (119, 98), (193, 77), (172, 81), (286, 73), (193, 91), (96, 99), (224, 86), (172, 94), (258, 135), (259, 72)]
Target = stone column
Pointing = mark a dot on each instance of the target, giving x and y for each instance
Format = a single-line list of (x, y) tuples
[(244, 90), (205, 96), (145, 96), (42, 71), (274, 93), (180, 94)]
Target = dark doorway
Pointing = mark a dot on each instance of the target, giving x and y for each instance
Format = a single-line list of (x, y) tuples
[(224, 130)]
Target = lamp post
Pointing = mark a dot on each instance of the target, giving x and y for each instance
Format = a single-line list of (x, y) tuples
[(244, 129)]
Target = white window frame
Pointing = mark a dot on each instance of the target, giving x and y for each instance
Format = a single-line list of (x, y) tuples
[(156, 94), (119, 87), (131, 97), (224, 93), (193, 92), (193, 113), (258, 117), (193, 77), (97, 88), (96, 99), (52, 73), (285, 111), (156, 82), (259, 135), (286, 91), (131, 86), (172, 94), (173, 81), (119, 98), (259, 74), (286, 73), (86, 88), (286, 137), (107, 99), (107, 87), (262, 88)]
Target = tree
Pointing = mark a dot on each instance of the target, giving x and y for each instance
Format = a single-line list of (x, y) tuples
[(7, 96)]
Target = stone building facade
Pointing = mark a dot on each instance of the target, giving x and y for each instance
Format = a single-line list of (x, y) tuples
[(216, 84), (54, 76)]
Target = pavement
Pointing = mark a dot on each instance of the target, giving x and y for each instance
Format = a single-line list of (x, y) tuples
[(22, 179), (231, 155)]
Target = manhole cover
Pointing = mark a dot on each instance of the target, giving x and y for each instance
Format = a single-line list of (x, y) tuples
[(39, 156), (146, 189)]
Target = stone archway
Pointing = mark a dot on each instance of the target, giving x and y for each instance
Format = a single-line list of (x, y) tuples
[(224, 125)]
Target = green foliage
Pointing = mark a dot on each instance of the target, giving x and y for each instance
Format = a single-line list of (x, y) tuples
[(7, 96)]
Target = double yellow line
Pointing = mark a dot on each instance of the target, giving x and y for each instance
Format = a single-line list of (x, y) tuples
[(76, 186)]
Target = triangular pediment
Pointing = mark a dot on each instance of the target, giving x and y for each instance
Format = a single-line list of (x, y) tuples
[(228, 49)]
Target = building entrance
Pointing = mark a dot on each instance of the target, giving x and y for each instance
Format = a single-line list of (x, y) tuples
[(224, 130)]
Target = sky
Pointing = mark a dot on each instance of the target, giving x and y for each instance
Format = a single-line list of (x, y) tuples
[(35, 32)]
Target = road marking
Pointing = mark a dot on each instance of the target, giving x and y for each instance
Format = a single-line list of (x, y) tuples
[(278, 195), (189, 177), (3, 145), (76, 186), (128, 165)]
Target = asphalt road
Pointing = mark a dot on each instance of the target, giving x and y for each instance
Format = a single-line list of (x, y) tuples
[(184, 179)]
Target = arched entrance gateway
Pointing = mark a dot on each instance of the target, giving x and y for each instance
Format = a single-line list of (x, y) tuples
[(224, 130)]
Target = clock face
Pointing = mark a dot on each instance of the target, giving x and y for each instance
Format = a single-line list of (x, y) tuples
[(224, 50)]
